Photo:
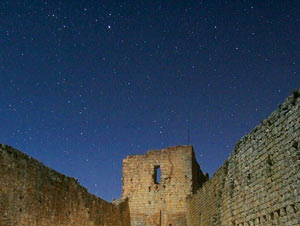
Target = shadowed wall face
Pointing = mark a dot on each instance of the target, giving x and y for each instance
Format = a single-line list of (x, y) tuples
[(160, 201), (259, 183), (34, 195)]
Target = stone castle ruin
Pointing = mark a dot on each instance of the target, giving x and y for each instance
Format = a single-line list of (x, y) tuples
[(154, 202), (259, 184)]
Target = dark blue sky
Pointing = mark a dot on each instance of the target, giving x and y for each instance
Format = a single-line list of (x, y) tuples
[(83, 84)]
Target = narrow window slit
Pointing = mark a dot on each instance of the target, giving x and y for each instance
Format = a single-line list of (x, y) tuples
[(157, 174)]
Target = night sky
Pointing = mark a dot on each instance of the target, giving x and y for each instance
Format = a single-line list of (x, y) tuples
[(83, 84)]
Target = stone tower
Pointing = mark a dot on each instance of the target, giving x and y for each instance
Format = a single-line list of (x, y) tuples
[(155, 201)]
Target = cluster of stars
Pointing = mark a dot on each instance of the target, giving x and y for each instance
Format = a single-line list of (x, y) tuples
[(89, 83)]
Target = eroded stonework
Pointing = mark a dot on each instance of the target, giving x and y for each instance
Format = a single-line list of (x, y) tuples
[(259, 184), (32, 194), (160, 203)]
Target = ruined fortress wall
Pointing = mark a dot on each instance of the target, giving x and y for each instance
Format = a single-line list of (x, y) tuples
[(260, 182), (161, 203), (34, 195), (203, 207)]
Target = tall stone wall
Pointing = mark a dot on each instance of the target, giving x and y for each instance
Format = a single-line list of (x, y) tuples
[(258, 185), (164, 203), (34, 195), (260, 182)]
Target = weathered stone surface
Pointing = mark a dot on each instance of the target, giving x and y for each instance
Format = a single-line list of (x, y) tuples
[(259, 183), (164, 203), (34, 195)]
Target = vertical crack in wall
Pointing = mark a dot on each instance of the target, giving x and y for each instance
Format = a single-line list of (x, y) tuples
[(171, 164)]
